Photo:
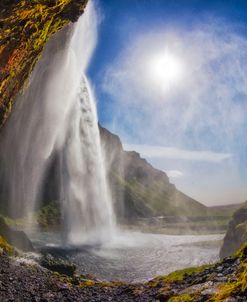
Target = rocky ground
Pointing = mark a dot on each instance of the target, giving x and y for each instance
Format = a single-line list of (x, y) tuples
[(225, 281)]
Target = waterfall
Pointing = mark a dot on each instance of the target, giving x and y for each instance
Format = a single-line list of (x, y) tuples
[(57, 115), (87, 210)]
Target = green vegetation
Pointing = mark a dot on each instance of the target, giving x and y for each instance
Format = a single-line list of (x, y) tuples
[(183, 298), (159, 199), (25, 28), (237, 232), (13, 222), (49, 216), (232, 287), (236, 285), (241, 253), (181, 213), (179, 275)]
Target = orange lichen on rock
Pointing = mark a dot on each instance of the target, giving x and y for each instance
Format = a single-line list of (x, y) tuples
[(17, 56)]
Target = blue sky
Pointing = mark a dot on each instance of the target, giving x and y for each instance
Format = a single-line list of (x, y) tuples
[(194, 127)]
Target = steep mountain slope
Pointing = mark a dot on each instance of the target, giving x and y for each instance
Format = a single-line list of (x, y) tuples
[(139, 189)]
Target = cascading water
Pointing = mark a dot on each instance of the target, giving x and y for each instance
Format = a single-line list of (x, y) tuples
[(85, 177), (57, 115)]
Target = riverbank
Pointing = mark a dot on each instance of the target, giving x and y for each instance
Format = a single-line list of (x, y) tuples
[(223, 281)]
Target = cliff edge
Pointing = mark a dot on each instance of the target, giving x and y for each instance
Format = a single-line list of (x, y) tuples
[(25, 27)]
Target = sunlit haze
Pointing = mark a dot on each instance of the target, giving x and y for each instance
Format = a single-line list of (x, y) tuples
[(172, 86), (165, 69)]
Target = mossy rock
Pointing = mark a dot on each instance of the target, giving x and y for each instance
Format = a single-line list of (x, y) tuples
[(179, 275), (49, 216), (242, 252), (58, 265), (237, 287), (16, 238), (5, 247), (182, 298), (236, 234)]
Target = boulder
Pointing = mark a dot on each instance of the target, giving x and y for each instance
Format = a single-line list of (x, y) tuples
[(16, 238), (58, 265)]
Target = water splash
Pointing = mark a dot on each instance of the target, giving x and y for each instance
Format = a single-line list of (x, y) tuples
[(57, 115)]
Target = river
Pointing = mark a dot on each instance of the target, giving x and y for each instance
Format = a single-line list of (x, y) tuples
[(136, 256)]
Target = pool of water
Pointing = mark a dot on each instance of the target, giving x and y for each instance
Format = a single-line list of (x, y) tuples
[(136, 257)]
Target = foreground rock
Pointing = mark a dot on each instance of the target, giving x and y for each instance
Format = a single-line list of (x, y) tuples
[(58, 265), (237, 232), (225, 281), (16, 238)]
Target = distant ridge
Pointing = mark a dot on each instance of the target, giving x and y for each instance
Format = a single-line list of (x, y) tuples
[(140, 190)]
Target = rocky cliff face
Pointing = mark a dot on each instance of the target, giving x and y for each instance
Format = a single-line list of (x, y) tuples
[(139, 189), (25, 27), (237, 232)]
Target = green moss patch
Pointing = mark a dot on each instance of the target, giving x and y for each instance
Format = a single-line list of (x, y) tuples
[(49, 215), (182, 298), (181, 274)]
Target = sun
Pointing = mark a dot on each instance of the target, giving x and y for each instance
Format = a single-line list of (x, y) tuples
[(165, 69)]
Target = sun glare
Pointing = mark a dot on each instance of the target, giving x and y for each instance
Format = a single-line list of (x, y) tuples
[(165, 70)]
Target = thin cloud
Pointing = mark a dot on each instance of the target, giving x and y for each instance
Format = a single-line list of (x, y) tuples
[(174, 173), (148, 151), (207, 106)]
